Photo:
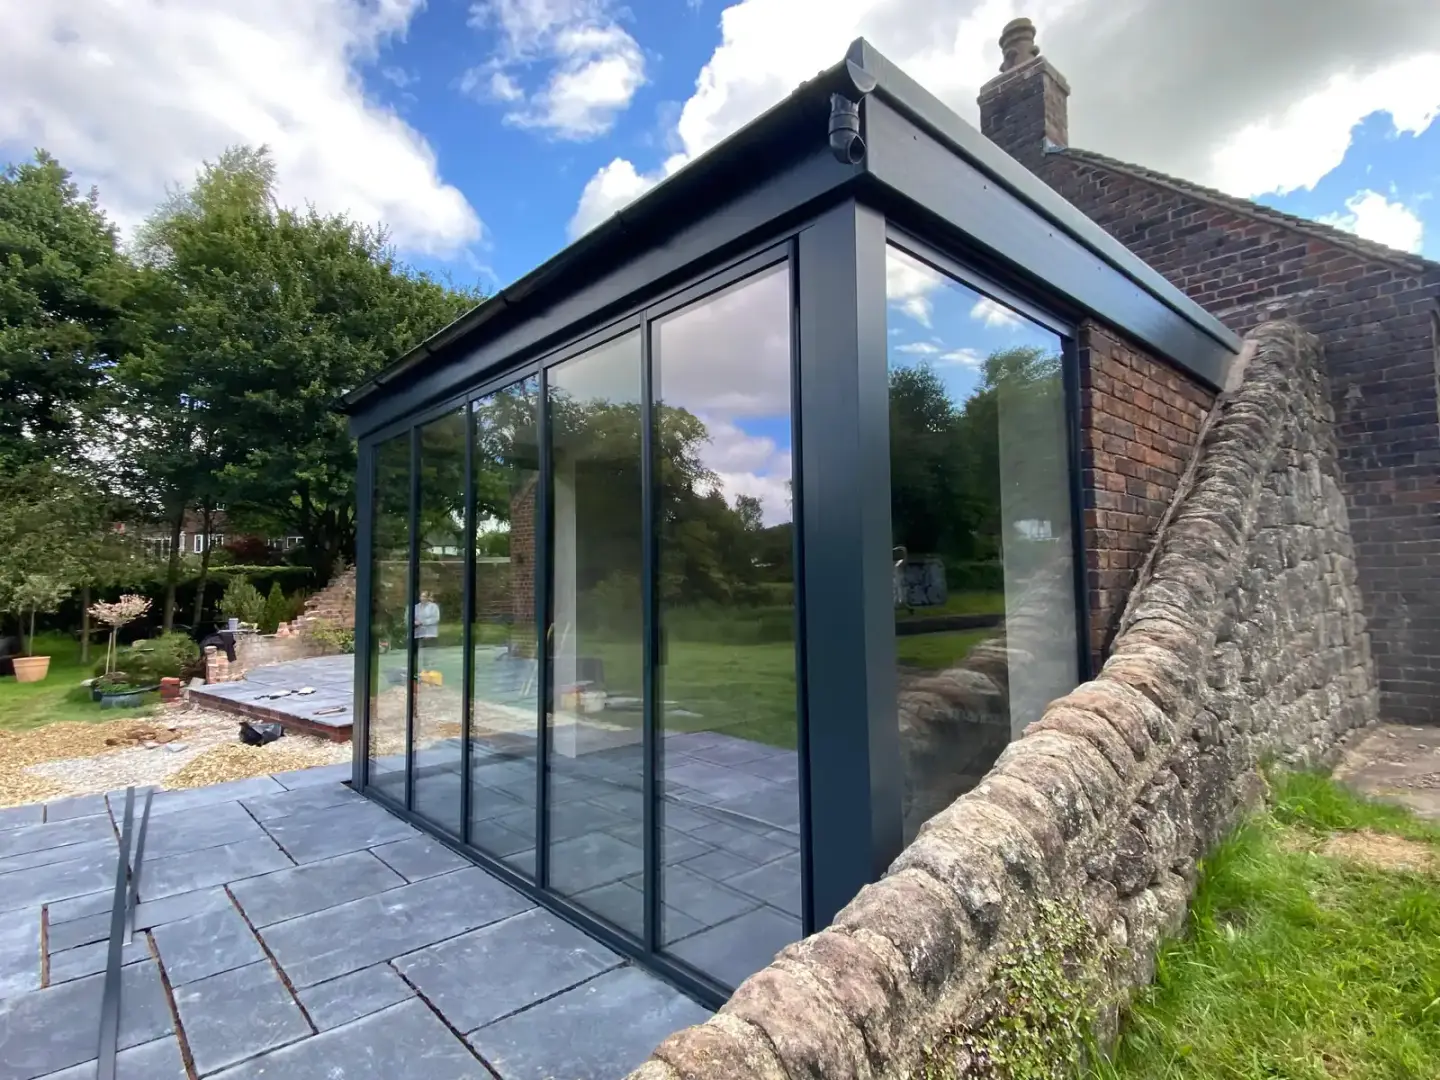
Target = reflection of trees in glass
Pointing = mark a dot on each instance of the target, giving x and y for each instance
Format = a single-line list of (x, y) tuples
[(945, 477)]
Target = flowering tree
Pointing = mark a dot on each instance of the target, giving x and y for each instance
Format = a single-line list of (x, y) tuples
[(125, 610)]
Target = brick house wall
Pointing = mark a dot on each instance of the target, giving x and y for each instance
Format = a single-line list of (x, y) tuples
[(1140, 421), (1375, 310)]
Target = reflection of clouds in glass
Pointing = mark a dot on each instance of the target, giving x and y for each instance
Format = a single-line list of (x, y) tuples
[(610, 372), (994, 314), (908, 285), (918, 348), (965, 357), (726, 359)]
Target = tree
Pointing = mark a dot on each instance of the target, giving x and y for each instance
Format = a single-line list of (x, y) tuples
[(58, 311)]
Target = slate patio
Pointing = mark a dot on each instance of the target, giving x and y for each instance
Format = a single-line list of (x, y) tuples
[(288, 929)]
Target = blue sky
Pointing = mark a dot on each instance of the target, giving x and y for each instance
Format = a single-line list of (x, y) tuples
[(486, 134)]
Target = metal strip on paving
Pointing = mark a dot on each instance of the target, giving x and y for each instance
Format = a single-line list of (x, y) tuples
[(121, 920)]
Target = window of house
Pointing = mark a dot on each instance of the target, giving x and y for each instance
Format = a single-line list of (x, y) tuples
[(199, 543)]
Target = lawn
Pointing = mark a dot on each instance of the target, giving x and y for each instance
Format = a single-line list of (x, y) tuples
[(958, 603), (1312, 953), (59, 696), (936, 652)]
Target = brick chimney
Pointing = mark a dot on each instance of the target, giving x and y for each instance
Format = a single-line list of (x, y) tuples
[(1023, 109)]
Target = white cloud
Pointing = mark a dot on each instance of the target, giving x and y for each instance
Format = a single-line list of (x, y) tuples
[(134, 97), (591, 67), (1197, 90), (966, 357), (994, 314), (918, 348), (1373, 216)]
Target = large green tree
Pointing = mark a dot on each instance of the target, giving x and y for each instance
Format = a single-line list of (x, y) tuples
[(276, 313), (58, 311)]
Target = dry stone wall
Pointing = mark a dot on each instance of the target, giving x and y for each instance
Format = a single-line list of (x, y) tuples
[(1243, 639)]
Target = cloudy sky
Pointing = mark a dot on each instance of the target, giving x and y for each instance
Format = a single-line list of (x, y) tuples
[(487, 134)]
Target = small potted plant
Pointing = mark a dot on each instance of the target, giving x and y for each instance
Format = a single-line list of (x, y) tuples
[(36, 592)]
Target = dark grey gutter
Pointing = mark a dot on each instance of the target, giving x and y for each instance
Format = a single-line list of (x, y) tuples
[(929, 113)]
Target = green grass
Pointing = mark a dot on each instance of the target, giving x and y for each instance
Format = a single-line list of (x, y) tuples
[(1297, 965), (59, 696), (958, 603), (936, 652)]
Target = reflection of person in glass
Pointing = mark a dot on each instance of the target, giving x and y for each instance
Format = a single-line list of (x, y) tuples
[(426, 623)]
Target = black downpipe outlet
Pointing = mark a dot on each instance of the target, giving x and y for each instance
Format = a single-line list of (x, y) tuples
[(846, 142)]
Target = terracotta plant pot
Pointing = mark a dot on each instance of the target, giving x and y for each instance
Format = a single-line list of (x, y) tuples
[(31, 668)]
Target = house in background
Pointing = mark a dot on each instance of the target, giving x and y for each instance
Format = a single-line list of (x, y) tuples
[(1375, 309), (194, 539)]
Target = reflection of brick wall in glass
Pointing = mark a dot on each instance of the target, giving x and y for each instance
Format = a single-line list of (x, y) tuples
[(522, 564)]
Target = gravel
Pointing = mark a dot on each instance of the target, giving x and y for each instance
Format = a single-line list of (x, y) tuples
[(187, 747)]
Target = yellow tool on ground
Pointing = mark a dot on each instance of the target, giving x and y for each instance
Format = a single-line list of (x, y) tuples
[(432, 678)]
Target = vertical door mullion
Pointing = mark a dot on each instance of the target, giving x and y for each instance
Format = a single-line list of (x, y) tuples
[(467, 614), (1073, 391), (412, 592), (542, 562), (650, 783), (364, 570)]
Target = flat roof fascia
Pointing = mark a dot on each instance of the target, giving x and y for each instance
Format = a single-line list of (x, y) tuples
[(925, 111), (918, 179), (751, 219)]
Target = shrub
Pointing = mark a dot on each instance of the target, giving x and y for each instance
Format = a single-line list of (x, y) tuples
[(277, 609), (334, 638), (242, 601), (169, 656)]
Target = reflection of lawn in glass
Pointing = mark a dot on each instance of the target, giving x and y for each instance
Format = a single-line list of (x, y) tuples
[(936, 652), (747, 691), (960, 603)]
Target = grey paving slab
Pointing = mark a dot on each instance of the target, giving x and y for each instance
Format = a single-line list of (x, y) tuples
[(57, 881), (610, 1025), (288, 894), (591, 860), (675, 846), (404, 1042), (237, 1014), (721, 781), (352, 996), (319, 774), (168, 909), (540, 954), (777, 806), (88, 959), (171, 802), (782, 769), (719, 865), (319, 834), (497, 840), (623, 904), (205, 945), (683, 818), (733, 752), (735, 950), (12, 817), (76, 807), (420, 857), (329, 943), (746, 844), (158, 1059), (29, 838), (567, 820), (298, 800), (222, 823), (52, 1029), (700, 897), (67, 853), (777, 883), (20, 953), (487, 801), (80, 907), (75, 932), (210, 866)]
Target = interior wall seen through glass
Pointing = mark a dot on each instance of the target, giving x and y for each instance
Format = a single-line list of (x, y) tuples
[(982, 564), (595, 634), (437, 622), (725, 598), (388, 658), (505, 635)]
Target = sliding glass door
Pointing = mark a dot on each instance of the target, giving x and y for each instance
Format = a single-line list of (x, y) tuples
[(583, 629)]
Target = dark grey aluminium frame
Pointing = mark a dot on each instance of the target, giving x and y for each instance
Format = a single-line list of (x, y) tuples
[(896, 164)]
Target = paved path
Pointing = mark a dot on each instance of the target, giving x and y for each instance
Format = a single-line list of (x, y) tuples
[(290, 929), (1397, 763), (324, 710)]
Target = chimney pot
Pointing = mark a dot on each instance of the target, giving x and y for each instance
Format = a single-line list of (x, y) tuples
[(1017, 44)]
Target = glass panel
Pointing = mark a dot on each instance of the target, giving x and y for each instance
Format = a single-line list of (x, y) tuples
[(389, 606), (730, 817), (980, 517), (595, 632), (436, 622), (504, 638)]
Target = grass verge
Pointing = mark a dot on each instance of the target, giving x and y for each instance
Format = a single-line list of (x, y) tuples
[(59, 696), (1313, 952)]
